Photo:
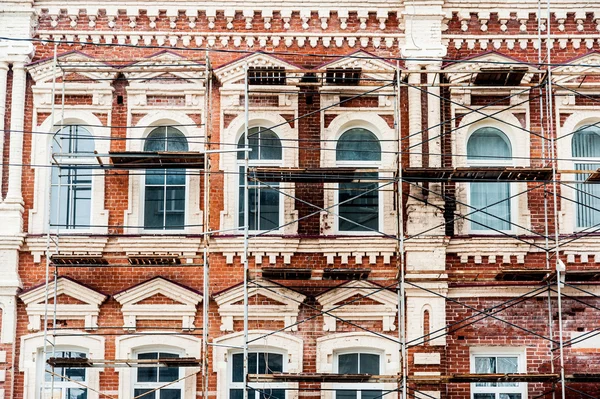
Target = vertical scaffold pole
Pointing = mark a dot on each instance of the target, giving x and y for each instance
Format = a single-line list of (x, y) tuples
[(246, 223), (206, 228), (400, 240)]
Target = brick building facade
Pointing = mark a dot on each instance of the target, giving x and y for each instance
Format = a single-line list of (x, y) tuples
[(332, 85)]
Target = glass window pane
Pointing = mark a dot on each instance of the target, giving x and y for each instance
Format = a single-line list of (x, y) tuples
[(56, 393), (237, 394), (76, 393), (168, 374), (507, 364), (175, 208), (497, 216), (271, 394), (176, 140), (147, 374), (252, 363), (485, 365), (237, 367), (348, 363), (170, 394), (156, 177), (275, 363), (510, 396), (587, 197), (345, 394), (264, 143), (154, 207), (176, 177), (586, 142), (484, 396), (156, 140), (362, 210), (358, 145), (269, 208), (489, 143), (371, 394), (145, 392), (369, 363)]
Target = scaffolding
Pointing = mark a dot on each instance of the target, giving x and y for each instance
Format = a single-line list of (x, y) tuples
[(549, 282)]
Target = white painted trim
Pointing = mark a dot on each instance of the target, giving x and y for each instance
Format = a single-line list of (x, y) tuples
[(520, 353)]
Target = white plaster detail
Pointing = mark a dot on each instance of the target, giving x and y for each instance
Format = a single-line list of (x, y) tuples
[(386, 309), (88, 311), (185, 308), (427, 358), (286, 309)]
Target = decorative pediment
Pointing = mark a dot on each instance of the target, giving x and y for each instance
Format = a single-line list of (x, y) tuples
[(233, 72), (467, 70), (373, 66), (274, 302), (76, 66), (168, 66), (575, 70), (359, 300), (74, 302), (159, 299)]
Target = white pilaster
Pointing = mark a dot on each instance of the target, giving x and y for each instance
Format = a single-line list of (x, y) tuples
[(414, 116), (434, 115), (3, 81), (17, 118)]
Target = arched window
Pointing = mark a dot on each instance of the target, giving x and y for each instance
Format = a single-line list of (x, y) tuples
[(263, 201), (586, 154), (71, 199), (258, 363), (359, 202), (358, 362), (164, 199), (489, 146)]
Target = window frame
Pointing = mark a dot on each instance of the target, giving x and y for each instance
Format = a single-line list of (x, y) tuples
[(253, 163), (152, 385), (359, 387), (512, 202), (261, 386), (359, 164), (142, 193), (519, 353), (574, 161), (62, 385)]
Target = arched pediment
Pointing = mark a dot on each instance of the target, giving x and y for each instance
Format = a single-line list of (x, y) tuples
[(159, 299), (74, 301), (359, 300), (269, 301)]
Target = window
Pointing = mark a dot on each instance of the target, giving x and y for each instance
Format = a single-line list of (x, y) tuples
[(497, 364), (258, 363), (63, 388), (359, 363), (263, 201), (486, 147), (164, 199), (149, 378), (71, 198), (586, 154), (358, 148)]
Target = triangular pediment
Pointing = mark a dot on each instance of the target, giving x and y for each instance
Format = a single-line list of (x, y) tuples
[(373, 67), (74, 301), (574, 71), (234, 72), (158, 287), (465, 70), (85, 66), (267, 300), (166, 68), (159, 299), (359, 300)]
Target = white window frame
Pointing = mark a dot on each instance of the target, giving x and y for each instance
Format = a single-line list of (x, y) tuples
[(143, 193), (289, 345), (566, 161), (361, 165), (31, 354), (153, 385), (360, 386), (228, 162), (496, 162), (62, 385), (127, 347), (40, 155), (329, 345), (520, 144), (134, 215), (261, 162), (375, 124), (263, 386), (520, 353)]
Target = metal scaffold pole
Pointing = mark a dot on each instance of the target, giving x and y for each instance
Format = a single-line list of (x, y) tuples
[(246, 228)]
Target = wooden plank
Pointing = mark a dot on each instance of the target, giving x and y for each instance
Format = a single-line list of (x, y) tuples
[(157, 160)]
